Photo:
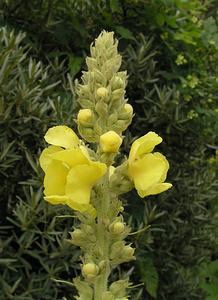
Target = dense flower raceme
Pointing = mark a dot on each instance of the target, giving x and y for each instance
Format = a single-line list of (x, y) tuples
[(148, 170), (69, 172)]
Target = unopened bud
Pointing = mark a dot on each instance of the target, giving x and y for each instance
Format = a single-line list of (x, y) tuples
[(90, 270), (110, 142), (118, 288), (128, 108), (117, 83), (84, 115), (102, 92), (117, 227), (117, 95), (128, 251), (77, 234)]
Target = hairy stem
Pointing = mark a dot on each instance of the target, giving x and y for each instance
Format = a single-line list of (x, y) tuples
[(101, 284)]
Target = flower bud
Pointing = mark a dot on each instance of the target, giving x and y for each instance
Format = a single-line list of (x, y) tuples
[(128, 108), (116, 83), (117, 227), (77, 237), (102, 92), (117, 95), (110, 142), (84, 115), (128, 251), (90, 270), (77, 234), (118, 288)]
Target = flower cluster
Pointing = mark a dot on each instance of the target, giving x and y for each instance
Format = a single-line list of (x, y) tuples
[(69, 171)]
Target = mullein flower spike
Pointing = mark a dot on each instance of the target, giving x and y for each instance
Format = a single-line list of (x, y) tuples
[(91, 185)]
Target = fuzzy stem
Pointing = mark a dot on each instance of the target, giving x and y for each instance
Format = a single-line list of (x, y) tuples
[(101, 284)]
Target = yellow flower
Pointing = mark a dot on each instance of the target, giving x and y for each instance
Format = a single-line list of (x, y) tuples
[(69, 172), (110, 141), (148, 170)]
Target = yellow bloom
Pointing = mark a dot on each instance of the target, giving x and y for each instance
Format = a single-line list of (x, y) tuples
[(110, 141), (69, 172), (148, 170)]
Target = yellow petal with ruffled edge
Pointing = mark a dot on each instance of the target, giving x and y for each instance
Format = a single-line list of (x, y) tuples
[(80, 180), (148, 171), (155, 189), (62, 136), (55, 178), (71, 157), (167, 166), (143, 145), (45, 157)]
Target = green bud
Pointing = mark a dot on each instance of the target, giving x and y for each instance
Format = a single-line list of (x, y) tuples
[(121, 253), (102, 92), (116, 249), (128, 252), (118, 288), (117, 95), (90, 270), (77, 237), (101, 108), (116, 83), (120, 181), (117, 227), (128, 109), (112, 119)]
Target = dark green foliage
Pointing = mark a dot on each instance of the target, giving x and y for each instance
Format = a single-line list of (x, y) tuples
[(32, 241), (34, 251), (170, 50), (29, 99)]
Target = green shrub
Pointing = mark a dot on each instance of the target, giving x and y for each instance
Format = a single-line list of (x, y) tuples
[(32, 240)]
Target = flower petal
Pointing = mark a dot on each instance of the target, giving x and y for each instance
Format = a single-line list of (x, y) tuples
[(62, 136), (80, 180), (71, 157), (45, 158), (143, 145), (55, 178), (84, 208), (155, 189), (56, 199), (148, 171), (161, 156)]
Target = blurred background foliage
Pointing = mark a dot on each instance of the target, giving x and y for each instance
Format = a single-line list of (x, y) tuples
[(170, 50)]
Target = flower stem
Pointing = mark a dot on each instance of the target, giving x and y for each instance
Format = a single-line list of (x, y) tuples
[(101, 284)]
